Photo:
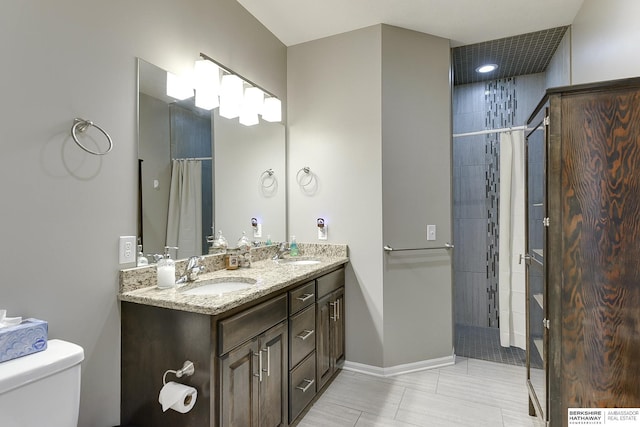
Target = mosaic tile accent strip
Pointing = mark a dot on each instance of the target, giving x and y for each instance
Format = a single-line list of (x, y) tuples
[(500, 104)]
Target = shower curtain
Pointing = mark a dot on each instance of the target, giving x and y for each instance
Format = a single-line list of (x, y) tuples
[(184, 222), (511, 275)]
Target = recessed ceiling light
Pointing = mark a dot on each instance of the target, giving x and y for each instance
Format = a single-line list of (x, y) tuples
[(487, 68)]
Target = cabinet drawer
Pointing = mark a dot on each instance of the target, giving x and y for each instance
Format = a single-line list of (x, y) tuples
[(302, 297), (302, 387), (330, 282), (245, 325), (302, 339)]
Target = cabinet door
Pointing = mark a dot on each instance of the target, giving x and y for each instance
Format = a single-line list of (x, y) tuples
[(536, 214), (324, 312), (337, 327), (239, 388), (273, 382), (329, 335)]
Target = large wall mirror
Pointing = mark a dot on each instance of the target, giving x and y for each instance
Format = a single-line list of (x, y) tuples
[(200, 172)]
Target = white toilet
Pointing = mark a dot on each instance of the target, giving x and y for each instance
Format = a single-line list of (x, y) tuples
[(42, 389)]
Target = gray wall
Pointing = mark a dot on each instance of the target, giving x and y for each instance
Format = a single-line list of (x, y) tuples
[(334, 128), (558, 71), (154, 148), (242, 154), (605, 40), (369, 114), (66, 59), (416, 191)]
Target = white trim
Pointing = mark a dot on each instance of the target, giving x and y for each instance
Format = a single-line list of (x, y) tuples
[(392, 371)]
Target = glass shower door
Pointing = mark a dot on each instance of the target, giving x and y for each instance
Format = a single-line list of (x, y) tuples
[(536, 241)]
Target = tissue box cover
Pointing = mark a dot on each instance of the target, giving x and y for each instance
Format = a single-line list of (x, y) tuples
[(28, 337)]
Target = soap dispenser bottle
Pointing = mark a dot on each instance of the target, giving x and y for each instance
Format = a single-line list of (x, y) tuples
[(141, 259), (293, 246), (166, 270)]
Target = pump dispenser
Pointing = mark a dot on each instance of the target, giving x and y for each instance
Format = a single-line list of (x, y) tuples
[(166, 270), (220, 244), (293, 247), (141, 259)]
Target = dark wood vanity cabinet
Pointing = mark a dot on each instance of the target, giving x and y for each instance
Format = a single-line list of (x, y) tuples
[(253, 375), (330, 323), (583, 280), (254, 366), (302, 348)]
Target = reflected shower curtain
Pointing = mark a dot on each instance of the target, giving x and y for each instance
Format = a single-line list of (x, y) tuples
[(184, 222), (511, 275)]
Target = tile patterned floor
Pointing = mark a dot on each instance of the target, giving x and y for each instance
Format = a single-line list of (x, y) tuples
[(484, 343), (470, 393)]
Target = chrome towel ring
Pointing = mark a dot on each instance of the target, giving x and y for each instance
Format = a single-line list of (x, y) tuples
[(81, 125), (302, 173), (267, 177)]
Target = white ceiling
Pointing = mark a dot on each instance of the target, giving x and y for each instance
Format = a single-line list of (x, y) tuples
[(462, 21)]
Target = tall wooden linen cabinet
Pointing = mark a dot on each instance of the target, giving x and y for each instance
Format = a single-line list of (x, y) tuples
[(583, 249)]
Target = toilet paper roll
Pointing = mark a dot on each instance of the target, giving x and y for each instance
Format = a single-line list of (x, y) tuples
[(178, 397)]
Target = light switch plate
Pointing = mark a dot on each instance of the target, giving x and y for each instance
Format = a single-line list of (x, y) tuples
[(431, 232), (127, 249)]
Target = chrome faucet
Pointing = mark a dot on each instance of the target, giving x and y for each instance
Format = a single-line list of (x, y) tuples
[(191, 271), (282, 249)]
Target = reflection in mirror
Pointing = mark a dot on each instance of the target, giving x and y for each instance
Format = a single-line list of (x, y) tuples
[(179, 148)]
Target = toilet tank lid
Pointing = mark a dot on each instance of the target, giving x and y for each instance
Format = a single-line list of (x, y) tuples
[(58, 356)]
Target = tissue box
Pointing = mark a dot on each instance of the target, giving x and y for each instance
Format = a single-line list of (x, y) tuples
[(28, 337)]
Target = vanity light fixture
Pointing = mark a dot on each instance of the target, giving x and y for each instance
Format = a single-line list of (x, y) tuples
[(238, 97), (251, 106), (178, 87), (272, 110), (207, 82), (231, 94), (486, 68)]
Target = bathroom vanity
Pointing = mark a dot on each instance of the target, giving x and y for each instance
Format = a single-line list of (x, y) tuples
[(261, 354)]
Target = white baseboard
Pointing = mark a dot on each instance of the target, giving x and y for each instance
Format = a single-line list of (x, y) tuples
[(399, 369)]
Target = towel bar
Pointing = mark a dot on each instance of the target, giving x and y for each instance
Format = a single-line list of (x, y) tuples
[(388, 248)]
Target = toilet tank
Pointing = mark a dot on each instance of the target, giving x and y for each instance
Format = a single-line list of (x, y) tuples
[(42, 389)]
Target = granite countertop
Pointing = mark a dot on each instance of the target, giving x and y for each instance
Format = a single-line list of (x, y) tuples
[(269, 276)]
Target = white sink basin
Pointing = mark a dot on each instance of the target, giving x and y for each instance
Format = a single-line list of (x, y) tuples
[(221, 285), (298, 261)]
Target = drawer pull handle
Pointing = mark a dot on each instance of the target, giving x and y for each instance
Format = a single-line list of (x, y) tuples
[(307, 334), (305, 297), (259, 374), (268, 361), (306, 387)]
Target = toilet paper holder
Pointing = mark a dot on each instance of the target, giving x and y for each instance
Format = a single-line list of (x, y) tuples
[(187, 369)]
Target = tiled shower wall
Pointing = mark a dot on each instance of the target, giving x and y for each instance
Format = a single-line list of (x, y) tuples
[(480, 106)]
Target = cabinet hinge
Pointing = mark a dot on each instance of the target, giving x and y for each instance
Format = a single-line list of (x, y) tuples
[(545, 221), (545, 323), (546, 121)]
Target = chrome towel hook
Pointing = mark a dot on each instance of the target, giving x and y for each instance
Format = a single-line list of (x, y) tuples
[(81, 125)]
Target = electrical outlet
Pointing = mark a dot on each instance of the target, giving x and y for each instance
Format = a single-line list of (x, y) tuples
[(431, 232), (322, 232), (127, 249), (257, 230)]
